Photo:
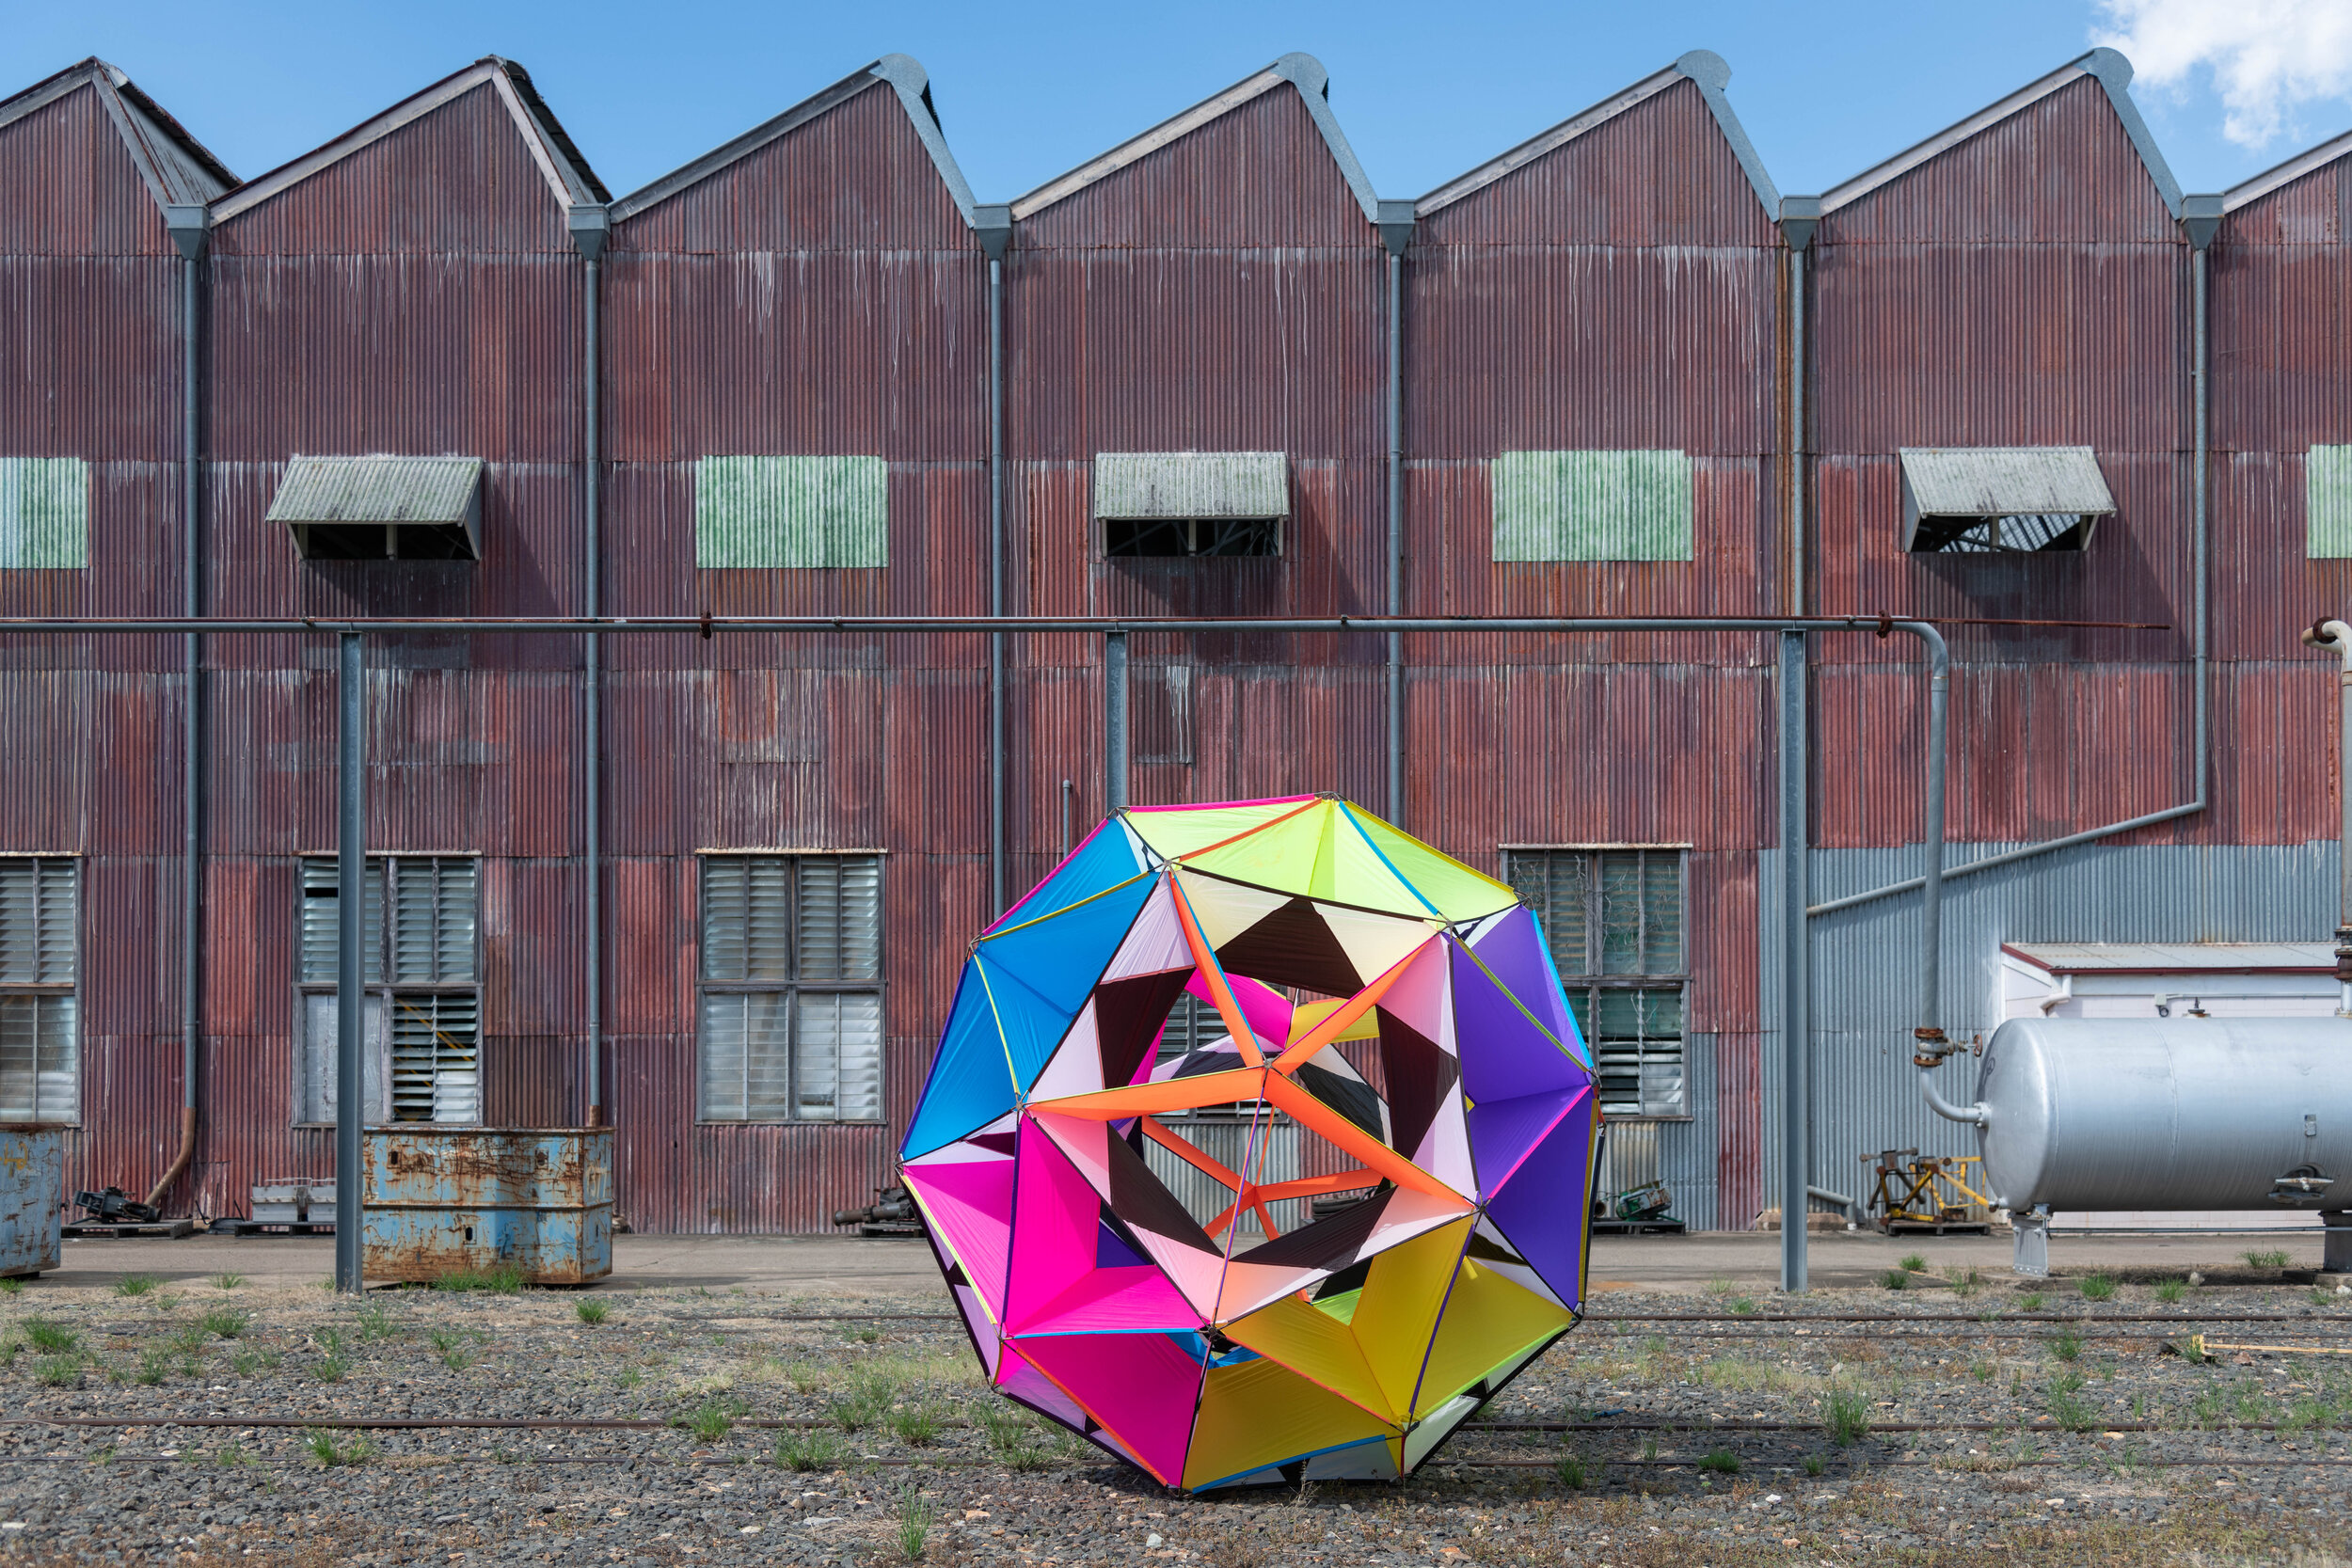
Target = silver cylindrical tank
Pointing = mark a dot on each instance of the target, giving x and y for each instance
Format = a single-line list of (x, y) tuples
[(2168, 1113)]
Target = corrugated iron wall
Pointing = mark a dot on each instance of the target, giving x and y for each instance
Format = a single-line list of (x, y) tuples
[(823, 294)]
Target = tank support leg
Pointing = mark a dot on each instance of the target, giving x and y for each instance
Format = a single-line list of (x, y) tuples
[(2335, 1256), (2031, 1237)]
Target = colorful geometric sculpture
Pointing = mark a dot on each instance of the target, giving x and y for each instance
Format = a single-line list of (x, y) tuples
[(1387, 1026)]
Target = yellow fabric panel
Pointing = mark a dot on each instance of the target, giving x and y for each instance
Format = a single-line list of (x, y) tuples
[(1401, 1295), (1489, 1320), (1458, 892), (1311, 1013), (1257, 1413), (1283, 855), (1317, 1346), (1171, 834), (1172, 1093), (1224, 911), (1343, 1306)]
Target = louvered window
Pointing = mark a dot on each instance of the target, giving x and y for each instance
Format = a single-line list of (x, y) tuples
[(791, 988), (424, 990), (39, 1076), (1613, 920)]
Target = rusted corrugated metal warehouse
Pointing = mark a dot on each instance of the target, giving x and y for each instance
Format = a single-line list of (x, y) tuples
[(1633, 378)]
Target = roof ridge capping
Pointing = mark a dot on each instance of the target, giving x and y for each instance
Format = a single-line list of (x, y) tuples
[(1301, 70), (569, 178), (905, 76), (2311, 159), (2106, 66), (1703, 68)]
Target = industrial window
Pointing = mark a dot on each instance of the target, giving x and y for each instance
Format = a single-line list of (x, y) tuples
[(2001, 501), (791, 512), (1175, 504), (791, 989), (1613, 920), (1592, 506), (2327, 504), (38, 1076), (44, 511), (423, 988), (382, 508)]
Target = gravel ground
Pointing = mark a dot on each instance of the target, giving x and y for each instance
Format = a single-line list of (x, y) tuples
[(1701, 1442)]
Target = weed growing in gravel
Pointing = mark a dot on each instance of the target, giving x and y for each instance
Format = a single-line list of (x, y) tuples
[(1720, 1285), (2066, 1345), (247, 1362), (332, 1455), (376, 1322), (1814, 1464), (917, 1425), (1649, 1446), (45, 1335), (331, 1367), (1846, 1416), (499, 1279), (225, 1323), (1743, 1305), (2070, 1411), (2260, 1258), (154, 1366), (1570, 1469), (915, 1524), (1721, 1462), (57, 1371), (1966, 1283), (136, 1284), (10, 1286), (591, 1312), (715, 1417), (227, 1281), (2068, 1381), (862, 1336), (630, 1377), (452, 1349), (1895, 1279), (2171, 1291), (809, 1450), (1915, 1263), (228, 1456), (2097, 1287), (2031, 1302)]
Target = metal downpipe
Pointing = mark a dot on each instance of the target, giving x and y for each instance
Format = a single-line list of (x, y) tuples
[(994, 226), (1114, 722), (1396, 535), (351, 861), (1933, 1046), (188, 226), (591, 227), (2336, 637), (1795, 979)]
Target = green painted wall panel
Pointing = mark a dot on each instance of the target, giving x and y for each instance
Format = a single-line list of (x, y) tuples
[(1592, 506), (44, 513), (791, 512), (2328, 502)]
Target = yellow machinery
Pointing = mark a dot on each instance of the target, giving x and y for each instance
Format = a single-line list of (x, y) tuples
[(1934, 1193)]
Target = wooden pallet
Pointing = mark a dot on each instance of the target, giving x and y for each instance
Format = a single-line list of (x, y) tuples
[(161, 1229)]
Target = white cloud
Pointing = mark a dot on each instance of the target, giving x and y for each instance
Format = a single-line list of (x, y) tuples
[(2266, 57)]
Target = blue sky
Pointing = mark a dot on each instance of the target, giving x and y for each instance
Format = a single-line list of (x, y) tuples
[(2231, 86)]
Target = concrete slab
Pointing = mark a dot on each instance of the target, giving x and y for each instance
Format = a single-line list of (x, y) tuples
[(840, 1266)]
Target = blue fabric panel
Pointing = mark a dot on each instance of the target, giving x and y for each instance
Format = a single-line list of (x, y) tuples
[(970, 1083)]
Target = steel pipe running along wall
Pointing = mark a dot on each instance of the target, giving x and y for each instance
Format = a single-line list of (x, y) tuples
[(350, 782), (591, 227)]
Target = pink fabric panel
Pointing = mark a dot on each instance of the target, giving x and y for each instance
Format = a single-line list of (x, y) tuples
[(970, 1201), (1142, 1386), (1057, 1217)]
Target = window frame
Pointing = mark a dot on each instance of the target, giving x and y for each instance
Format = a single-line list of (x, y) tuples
[(72, 989), (386, 990), (789, 990), (1591, 980)]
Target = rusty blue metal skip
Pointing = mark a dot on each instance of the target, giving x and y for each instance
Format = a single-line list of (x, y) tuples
[(32, 1188), (440, 1199)]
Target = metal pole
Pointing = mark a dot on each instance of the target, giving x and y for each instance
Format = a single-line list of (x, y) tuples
[(1796, 1123), (1114, 722), (1932, 877), (351, 863), (1066, 789), (997, 584)]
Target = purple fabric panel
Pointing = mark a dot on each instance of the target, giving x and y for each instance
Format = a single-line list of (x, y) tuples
[(1542, 1209)]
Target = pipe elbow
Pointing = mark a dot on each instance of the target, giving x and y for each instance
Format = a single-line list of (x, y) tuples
[(1974, 1115)]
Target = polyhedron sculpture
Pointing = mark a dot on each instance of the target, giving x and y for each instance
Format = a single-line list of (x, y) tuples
[(1123, 1207)]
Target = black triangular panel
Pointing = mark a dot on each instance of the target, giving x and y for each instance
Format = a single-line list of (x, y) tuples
[(1293, 947), (1419, 1074), (1128, 1015)]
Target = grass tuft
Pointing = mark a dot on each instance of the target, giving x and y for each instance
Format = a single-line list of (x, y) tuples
[(1967, 1282), (716, 1417), (42, 1335), (1895, 1279), (452, 1349), (2067, 1345), (499, 1279), (2258, 1257), (227, 1281), (591, 1312), (2171, 1291), (331, 1367), (917, 1426), (915, 1525), (1814, 1464), (812, 1449), (1846, 1416), (1570, 1469), (10, 1286), (1721, 1461), (136, 1284), (225, 1323), (1743, 1305), (2098, 1286), (332, 1455), (57, 1371), (2070, 1411), (376, 1322), (2031, 1302), (1915, 1262)]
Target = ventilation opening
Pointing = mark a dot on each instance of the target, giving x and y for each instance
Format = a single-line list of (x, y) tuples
[(2020, 533), (379, 542), (1171, 538)]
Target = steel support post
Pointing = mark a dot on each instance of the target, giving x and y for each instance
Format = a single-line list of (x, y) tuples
[(1796, 1119), (1114, 722), (351, 864)]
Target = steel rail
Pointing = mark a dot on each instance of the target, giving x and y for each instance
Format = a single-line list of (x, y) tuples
[(574, 625)]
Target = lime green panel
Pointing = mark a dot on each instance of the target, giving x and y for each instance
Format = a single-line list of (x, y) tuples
[(791, 513), (2327, 490), (1171, 834), (1457, 892), (1592, 506), (44, 513)]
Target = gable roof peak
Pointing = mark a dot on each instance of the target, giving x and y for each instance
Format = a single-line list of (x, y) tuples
[(1702, 67), (1301, 70), (177, 169), (2107, 67)]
